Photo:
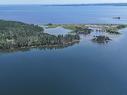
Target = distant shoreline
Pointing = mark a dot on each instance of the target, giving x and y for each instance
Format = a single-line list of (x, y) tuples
[(92, 4)]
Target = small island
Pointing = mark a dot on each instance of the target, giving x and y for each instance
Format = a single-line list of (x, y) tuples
[(101, 39)]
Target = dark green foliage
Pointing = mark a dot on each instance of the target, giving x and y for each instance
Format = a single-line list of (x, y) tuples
[(115, 30), (17, 35), (112, 31), (121, 26), (81, 30), (101, 39)]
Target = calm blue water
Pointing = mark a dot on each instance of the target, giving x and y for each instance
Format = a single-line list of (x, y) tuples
[(39, 14), (83, 69)]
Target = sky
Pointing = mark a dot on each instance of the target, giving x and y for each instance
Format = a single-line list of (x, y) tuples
[(59, 1)]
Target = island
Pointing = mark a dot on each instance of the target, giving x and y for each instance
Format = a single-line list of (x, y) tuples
[(101, 39), (15, 34)]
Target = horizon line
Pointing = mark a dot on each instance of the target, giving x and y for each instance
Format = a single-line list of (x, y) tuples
[(63, 4)]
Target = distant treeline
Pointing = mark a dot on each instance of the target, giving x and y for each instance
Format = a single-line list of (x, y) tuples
[(17, 35), (93, 4)]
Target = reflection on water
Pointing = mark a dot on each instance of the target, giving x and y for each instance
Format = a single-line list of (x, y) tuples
[(39, 48)]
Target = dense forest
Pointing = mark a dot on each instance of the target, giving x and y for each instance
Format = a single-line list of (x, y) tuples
[(17, 35)]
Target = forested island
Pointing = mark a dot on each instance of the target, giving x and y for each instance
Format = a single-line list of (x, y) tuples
[(15, 34)]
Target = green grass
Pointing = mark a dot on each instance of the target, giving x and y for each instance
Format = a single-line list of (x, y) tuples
[(83, 28)]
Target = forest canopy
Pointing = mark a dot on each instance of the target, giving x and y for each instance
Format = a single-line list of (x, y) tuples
[(17, 34)]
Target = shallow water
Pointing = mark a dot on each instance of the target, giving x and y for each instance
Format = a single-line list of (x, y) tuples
[(57, 31)]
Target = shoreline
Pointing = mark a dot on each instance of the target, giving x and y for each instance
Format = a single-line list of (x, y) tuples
[(16, 34), (109, 28), (43, 46)]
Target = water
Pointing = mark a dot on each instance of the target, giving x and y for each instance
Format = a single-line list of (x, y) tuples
[(39, 14), (57, 31), (86, 68), (83, 69)]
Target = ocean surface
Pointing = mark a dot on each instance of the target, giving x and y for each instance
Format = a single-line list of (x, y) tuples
[(85, 68), (39, 14)]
